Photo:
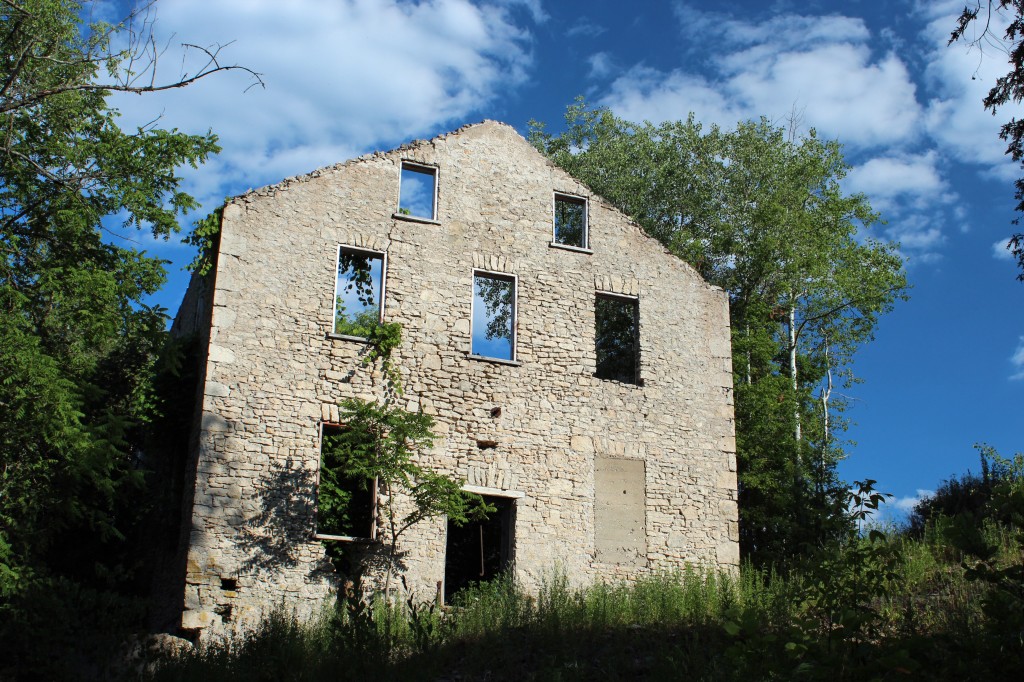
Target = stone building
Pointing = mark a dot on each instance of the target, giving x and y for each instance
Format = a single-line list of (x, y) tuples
[(579, 375)]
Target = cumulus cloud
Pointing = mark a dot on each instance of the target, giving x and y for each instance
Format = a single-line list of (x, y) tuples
[(341, 78), (1001, 250), (1017, 360), (960, 76), (895, 510), (907, 503), (822, 67), (886, 178), (600, 65), (646, 94), (833, 74)]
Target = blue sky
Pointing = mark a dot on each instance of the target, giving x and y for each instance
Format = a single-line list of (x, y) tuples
[(347, 77)]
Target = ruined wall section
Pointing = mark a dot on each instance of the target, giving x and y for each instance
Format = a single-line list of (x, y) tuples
[(275, 374)]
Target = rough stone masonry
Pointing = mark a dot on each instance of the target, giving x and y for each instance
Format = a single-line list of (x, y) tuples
[(607, 479)]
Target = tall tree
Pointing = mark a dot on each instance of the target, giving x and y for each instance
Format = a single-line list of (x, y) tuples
[(1008, 88), (759, 211), (77, 345)]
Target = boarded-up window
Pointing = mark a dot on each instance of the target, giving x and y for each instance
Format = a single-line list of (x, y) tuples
[(620, 490)]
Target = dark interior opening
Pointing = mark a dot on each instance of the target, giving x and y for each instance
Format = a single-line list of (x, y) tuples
[(480, 550), (345, 501)]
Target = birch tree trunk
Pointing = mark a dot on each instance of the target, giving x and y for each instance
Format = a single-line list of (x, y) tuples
[(792, 368)]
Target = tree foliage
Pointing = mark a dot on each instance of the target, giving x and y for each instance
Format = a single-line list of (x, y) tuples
[(497, 295), (1009, 88), (759, 211), (77, 345), (382, 442)]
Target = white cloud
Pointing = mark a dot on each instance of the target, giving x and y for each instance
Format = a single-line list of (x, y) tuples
[(534, 7), (917, 235), (341, 77), (822, 67), (895, 510), (907, 503), (585, 28), (1017, 360), (960, 75), (600, 65), (885, 178), (836, 76), (1001, 251), (645, 94)]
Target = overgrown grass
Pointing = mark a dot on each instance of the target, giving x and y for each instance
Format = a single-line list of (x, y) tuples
[(878, 608)]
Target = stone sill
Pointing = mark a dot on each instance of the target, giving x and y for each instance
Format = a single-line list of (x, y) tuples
[(495, 492), (496, 361), (415, 219), (346, 337), (623, 384), (570, 247), (343, 538)]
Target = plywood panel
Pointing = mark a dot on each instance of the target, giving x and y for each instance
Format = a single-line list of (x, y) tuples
[(621, 536)]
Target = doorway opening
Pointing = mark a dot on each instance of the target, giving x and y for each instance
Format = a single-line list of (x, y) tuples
[(480, 551)]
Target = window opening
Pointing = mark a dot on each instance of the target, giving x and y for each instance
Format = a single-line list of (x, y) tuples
[(417, 194), (358, 292), (479, 551), (570, 221), (346, 499), (494, 302), (617, 338)]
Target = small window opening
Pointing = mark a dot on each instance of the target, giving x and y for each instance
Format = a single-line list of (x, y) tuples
[(346, 496), (224, 611), (570, 221), (494, 303), (358, 292), (417, 194), (495, 412), (480, 550), (229, 584), (486, 444), (617, 338)]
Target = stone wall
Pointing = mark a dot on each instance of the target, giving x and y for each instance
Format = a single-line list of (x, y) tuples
[(275, 374)]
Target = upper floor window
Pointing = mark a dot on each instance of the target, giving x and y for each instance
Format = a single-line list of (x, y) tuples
[(359, 291), (570, 224), (494, 315), (417, 191), (617, 338)]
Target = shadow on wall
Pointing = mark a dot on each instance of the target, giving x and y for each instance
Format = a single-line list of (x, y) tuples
[(284, 523), (280, 534)]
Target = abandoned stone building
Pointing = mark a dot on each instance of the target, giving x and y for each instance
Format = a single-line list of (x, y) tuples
[(578, 374)]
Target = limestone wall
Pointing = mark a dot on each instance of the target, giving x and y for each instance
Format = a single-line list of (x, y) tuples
[(275, 373)]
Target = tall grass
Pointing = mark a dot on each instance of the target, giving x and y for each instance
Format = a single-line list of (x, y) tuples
[(898, 610), (633, 626)]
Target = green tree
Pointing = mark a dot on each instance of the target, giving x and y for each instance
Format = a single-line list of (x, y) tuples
[(1008, 88), (382, 442), (758, 211), (77, 345)]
